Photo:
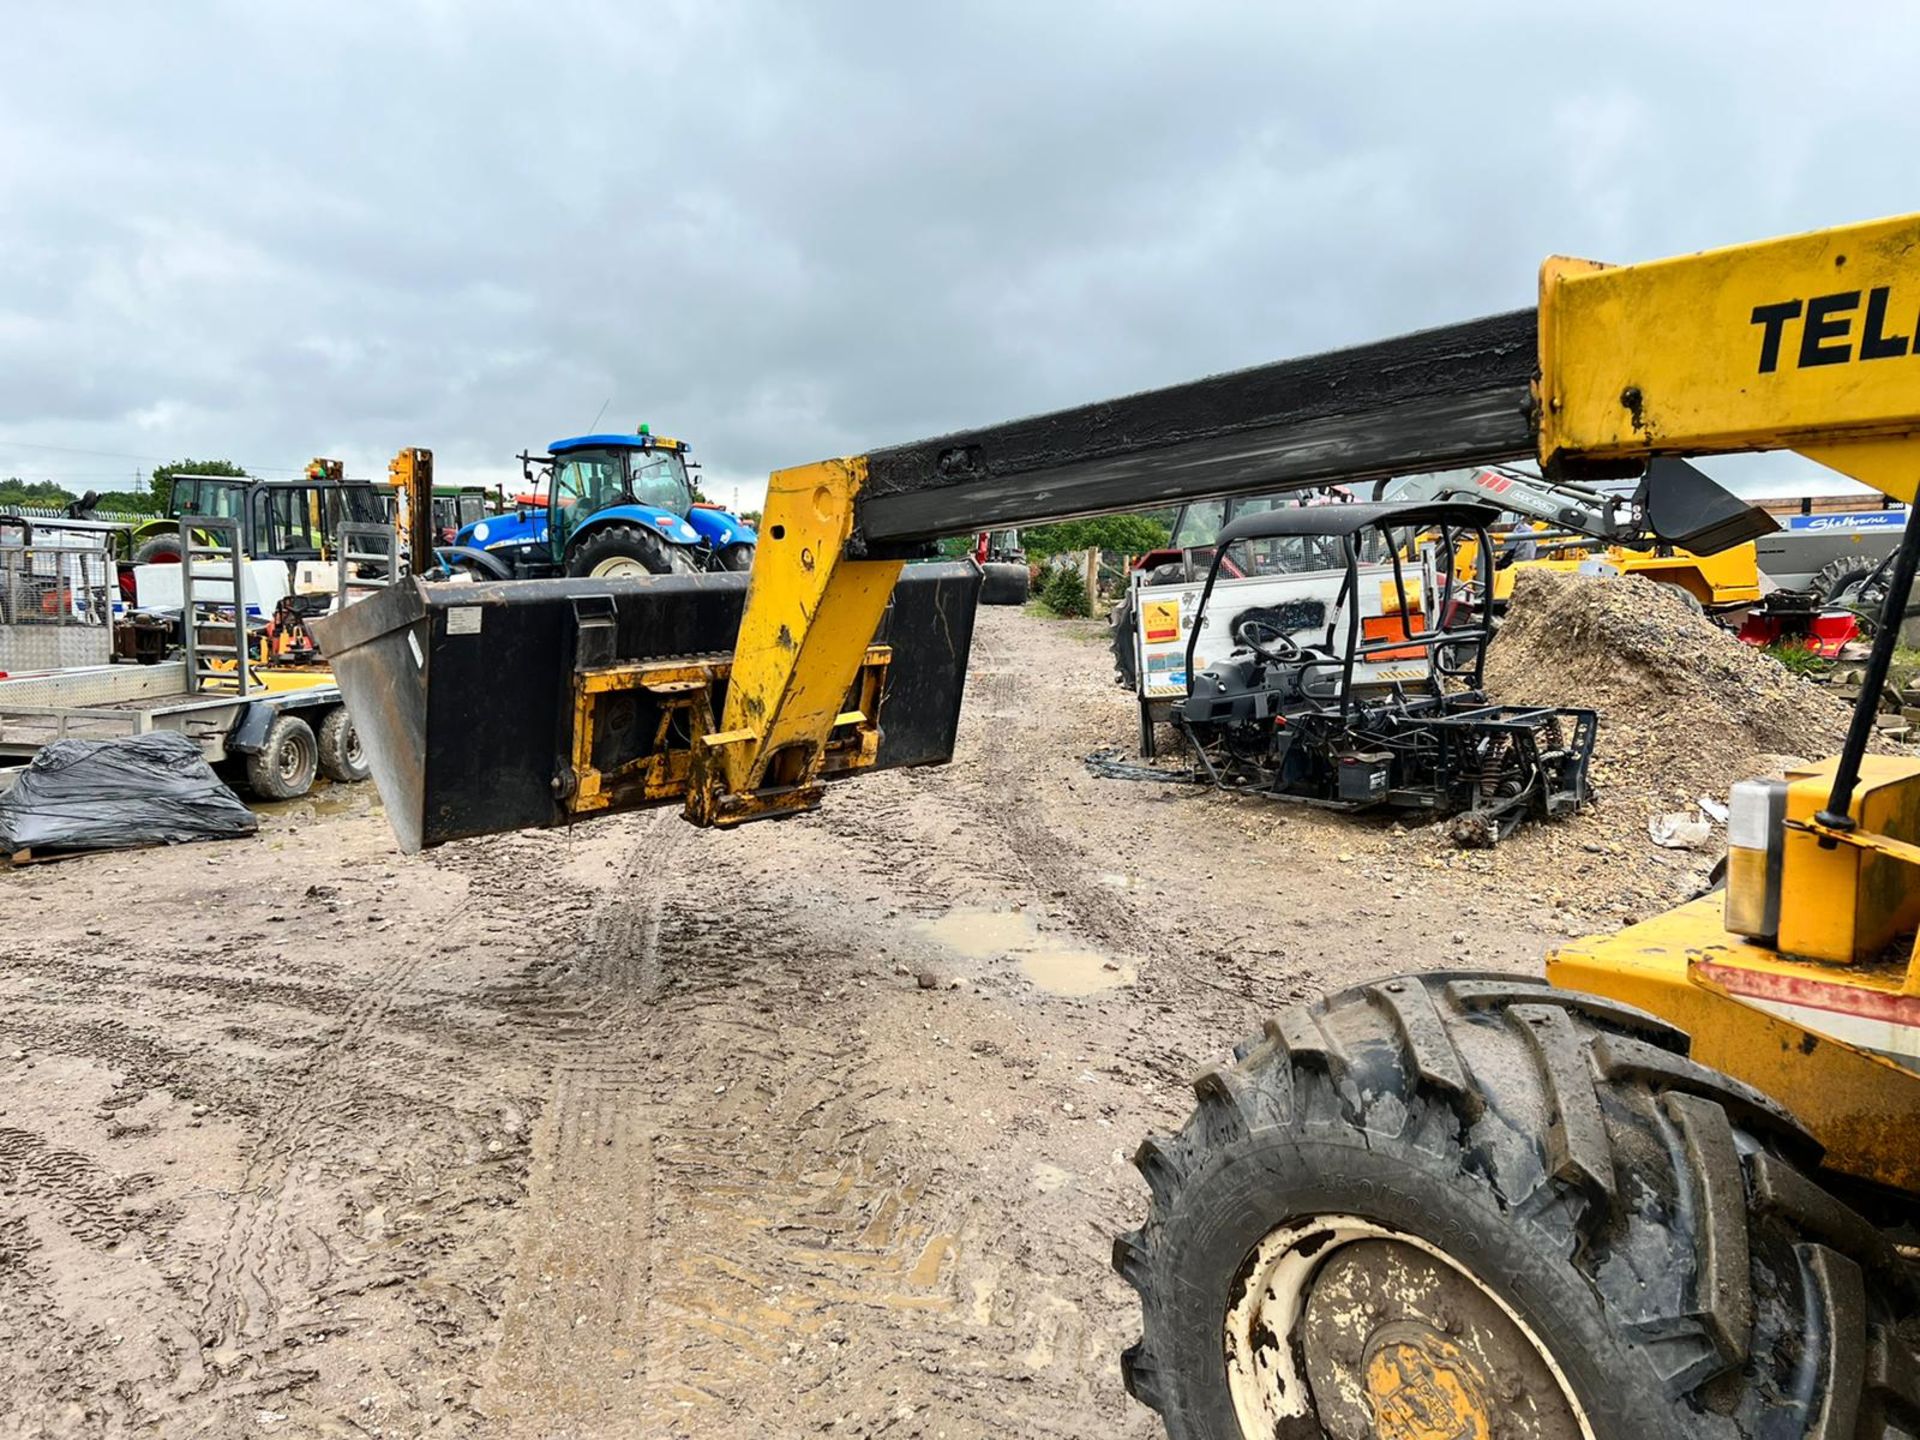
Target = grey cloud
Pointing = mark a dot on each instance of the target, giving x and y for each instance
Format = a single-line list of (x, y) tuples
[(791, 231)]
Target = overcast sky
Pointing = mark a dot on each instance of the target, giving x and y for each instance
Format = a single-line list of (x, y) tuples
[(785, 231)]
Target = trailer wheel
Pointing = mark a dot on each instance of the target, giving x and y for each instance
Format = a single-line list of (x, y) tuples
[(342, 757), (1477, 1206), (283, 768)]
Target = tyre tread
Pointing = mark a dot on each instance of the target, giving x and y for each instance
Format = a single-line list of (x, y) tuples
[(1622, 1058), (1723, 1285), (1842, 1301), (1426, 1043), (1579, 1152), (1600, 1087)]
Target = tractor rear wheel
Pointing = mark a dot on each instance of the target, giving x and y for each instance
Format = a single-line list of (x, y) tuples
[(158, 550), (1474, 1206), (1854, 582), (283, 768), (616, 551)]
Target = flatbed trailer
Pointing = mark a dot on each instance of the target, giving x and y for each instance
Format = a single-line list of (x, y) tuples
[(99, 702)]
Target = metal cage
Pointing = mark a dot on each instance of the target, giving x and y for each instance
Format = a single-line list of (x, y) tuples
[(56, 606)]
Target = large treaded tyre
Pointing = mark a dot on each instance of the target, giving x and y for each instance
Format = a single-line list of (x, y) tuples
[(1841, 574), (614, 550), (1396, 1181), (159, 550)]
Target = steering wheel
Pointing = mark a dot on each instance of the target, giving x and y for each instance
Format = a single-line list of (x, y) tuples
[(1277, 646)]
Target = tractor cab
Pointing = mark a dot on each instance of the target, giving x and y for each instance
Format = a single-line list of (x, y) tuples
[(606, 506), (287, 520)]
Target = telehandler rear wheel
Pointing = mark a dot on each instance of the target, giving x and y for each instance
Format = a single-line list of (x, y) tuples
[(1459, 1207)]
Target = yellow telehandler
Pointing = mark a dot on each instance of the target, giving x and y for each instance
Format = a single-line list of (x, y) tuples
[(1665, 1191)]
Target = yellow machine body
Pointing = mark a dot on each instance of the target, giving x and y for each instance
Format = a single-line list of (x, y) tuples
[(1805, 343), (1797, 1031), (1825, 1017), (1730, 578), (810, 615)]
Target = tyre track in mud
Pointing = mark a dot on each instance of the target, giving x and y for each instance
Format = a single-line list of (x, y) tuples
[(272, 1271), (816, 1248), (572, 1353), (328, 1075), (821, 1243)]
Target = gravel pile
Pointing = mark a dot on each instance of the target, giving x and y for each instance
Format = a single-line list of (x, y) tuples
[(1685, 708)]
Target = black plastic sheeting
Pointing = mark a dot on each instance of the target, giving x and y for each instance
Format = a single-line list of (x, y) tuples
[(154, 789)]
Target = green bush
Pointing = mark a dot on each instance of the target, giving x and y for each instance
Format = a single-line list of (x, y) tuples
[(1065, 594), (1124, 534)]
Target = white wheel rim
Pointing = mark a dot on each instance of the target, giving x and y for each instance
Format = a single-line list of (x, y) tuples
[(1264, 1379), (618, 567)]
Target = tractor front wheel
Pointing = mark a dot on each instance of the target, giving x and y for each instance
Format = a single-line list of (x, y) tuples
[(734, 557), (1478, 1206)]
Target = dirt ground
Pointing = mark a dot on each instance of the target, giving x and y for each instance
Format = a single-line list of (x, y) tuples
[(813, 1128)]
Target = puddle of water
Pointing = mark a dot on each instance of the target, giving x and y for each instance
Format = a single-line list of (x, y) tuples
[(982, 934), (1074, 972), (323, 800), (1056, 968)]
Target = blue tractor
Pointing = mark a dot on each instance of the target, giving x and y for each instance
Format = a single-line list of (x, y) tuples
[(612, 505)]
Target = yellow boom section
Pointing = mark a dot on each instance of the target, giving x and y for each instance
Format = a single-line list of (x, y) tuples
[(1805, 343)]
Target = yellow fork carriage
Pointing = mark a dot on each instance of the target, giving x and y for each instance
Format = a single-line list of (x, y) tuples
[(1659, 1196)]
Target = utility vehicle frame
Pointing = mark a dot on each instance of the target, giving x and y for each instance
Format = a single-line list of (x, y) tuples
[(1357, 684)]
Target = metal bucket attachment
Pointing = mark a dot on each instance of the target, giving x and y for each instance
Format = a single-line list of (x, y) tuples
[(1690, 509), (523, 704)]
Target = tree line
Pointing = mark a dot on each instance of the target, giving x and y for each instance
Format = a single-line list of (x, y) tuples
[(16, 492)]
